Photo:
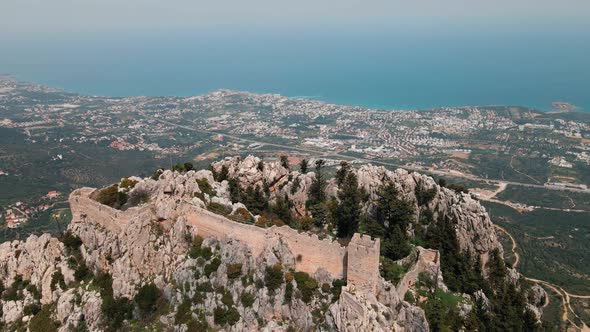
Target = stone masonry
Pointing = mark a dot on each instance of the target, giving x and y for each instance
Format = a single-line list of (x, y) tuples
[(358, 263), (363, 262)]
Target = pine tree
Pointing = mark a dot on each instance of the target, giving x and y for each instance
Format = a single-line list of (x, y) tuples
[(316, 190), (285, 161), (303, 166), (281, 208), (393, 215), (234, 190), (342, 172), (347, 214), (223, 174)]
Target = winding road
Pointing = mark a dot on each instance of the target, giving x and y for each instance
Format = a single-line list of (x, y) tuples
[(501, 183), (411, 168), (566, 305)]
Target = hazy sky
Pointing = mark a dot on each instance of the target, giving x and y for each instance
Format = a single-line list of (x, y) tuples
[(96, 15)]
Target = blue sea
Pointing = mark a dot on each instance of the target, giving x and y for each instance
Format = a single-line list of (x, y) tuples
[(414, 64)]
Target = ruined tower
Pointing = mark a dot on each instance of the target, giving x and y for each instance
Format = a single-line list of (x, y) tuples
[(362, 270)]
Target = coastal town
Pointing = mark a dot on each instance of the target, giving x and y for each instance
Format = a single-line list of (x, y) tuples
[(489, 142)]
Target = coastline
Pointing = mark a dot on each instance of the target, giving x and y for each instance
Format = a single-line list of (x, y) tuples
[(90, 91)]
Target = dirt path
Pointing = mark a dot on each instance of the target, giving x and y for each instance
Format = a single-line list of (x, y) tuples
[(566, 305), (501, 187), (571, 202), (514, 246), (519, 172), (490, 196)]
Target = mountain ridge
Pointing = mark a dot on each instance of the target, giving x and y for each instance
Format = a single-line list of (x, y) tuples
[(153, 243)]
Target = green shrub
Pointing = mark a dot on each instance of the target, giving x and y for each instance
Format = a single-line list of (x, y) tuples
[(42, 321), (442, 311), (227, 299), (183, 167), (14, 292), (81, 327), (409, 297), (104, 281), (212, 266), (183, 313), (34, 291), (11, 294), (31, 309), (72, 262), (219, 209), (116, 312), (226, 316), (288, 293), (242, 215), (138, 197), (197, 250), (306, 285), (127, 183), (82, 272), (197, 325), (337, 285), (392, 271), (425, 280), (112, 197), (296, 185), (205, 287), (424, 196), (147, 299), (205, 187), (247, 300), (57, 279), (234, 270), (273, 277), (71, 242), (157, 174)]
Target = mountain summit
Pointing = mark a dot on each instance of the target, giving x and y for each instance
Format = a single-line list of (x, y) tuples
[(254, 245)]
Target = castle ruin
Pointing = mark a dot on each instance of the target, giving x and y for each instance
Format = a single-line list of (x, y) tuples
[(358, 262)]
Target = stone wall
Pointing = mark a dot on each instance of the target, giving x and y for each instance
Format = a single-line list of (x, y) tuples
[(427, 260), (83, 205), (358, 263), (310, 252), (363, 262)]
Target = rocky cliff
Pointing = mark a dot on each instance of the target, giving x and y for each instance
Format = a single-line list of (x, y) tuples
[(96, 277), (474, 228)]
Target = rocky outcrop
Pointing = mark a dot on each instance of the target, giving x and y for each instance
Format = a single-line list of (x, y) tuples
[(383, 311), (77, 306), (26, 269), (473, 226), (474, 229), (144, 249), (255, 278)]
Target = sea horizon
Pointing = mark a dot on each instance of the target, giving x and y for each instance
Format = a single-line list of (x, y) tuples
[(407, 65)]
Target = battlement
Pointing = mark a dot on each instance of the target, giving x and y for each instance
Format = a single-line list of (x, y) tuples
[(358, 263)]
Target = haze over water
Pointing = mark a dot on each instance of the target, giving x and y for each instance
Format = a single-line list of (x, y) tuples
[(401, 65)]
